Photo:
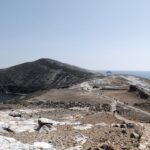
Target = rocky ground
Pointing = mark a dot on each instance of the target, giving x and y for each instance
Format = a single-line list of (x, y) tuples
[(100, 114), (67, 129)]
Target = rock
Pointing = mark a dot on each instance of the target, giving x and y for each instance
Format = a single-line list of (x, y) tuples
[(135, 135), (44, 122), (19, 126), (124, 132), (12, 144), (47, 129), (43, 145), (123, 126), (47, 121), (95, 87), (15, 114), (44, 129), (106, 147), (3, 126), (83, 127), (85, 86), (143, 94), (130, 125), (133, 88), (115, 112), (116, 125), (8, 129)]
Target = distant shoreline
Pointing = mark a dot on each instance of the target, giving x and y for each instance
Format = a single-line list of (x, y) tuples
[(144, 74)]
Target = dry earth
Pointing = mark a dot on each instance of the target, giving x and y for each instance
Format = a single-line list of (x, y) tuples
[(88, 116)]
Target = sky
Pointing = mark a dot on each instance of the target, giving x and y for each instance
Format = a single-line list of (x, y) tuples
[(93, 34)]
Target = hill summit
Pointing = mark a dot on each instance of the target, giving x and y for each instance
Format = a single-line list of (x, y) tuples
[(39, 75)]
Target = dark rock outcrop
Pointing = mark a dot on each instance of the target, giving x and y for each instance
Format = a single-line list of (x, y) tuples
[(40, 75), (133, 88), (141, 92), (44, 123)]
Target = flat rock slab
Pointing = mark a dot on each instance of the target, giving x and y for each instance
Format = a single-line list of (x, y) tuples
[(12, 144)]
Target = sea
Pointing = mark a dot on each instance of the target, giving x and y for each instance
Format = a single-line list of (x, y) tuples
[(5, 97), (143, 74)]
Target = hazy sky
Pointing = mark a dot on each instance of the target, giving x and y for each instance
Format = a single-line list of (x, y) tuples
[(95, 34)]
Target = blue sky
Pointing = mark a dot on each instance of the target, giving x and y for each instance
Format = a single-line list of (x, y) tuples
[(94, 34)]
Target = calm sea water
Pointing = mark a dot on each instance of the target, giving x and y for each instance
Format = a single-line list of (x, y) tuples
[(5, 97), (144, 74)]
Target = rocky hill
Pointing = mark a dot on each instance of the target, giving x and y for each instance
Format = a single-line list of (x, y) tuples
[(39, 75)]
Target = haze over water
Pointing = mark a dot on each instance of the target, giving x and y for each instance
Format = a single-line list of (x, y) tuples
[(144, 74)]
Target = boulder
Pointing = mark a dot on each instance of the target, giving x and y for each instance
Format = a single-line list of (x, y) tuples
[(106, 147), (19, 126), (130, 125), (12, 144), (123, 125), (124, 132), (45, 122), (116, 125), (46, 129), (135, 135), (15, 114), (44, 146), (140, 91), (3, 127), (133, 88), (143, 94)]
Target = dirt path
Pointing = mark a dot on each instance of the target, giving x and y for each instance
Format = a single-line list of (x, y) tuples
[(145, 139), (114, 102)]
